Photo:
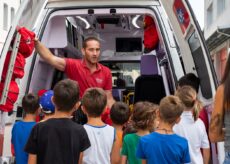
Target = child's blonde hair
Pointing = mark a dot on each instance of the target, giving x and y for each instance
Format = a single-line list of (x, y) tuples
[(189, 97), (144, 115), (170, 109)]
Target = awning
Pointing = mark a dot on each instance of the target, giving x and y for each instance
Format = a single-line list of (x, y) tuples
[(218, 37)]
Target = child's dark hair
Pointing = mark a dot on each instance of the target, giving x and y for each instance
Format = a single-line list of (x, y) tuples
[(30, 103), (119, 113), (170, 109), (144, 115), (188, 96), (94, 100), (191, 80), (66, 95), (128, 129)]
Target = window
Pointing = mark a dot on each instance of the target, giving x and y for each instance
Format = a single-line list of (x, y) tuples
[(72, 34), (199, 60), (210, 15), (128, 44), (5, 16), (222, 59), (220, 7), (123, 73), (12, 13)]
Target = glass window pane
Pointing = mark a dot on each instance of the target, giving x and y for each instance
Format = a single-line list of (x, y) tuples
[(5, 17)]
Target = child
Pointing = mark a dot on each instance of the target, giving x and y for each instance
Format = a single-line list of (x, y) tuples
[(193, 81), (102, 136), (191, 127), (21, 129), (143, 120), (163, 146), (119, 115), (59, 140), (46, 104)]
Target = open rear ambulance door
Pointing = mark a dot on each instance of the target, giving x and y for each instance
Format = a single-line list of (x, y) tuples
[(193, 52), (26, 16)]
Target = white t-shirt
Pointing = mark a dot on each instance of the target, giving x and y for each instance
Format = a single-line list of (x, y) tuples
[(195, 133), (101, 140)]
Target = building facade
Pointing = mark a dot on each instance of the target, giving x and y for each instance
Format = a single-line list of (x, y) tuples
[(8, 9), (217, 32)]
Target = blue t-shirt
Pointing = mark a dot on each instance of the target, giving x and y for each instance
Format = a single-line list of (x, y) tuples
[(20, 134), (163, 148)]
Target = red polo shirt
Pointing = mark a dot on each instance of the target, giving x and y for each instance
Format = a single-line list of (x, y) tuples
[(76, 69)]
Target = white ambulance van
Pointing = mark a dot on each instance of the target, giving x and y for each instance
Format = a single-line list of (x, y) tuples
[(61, 25)]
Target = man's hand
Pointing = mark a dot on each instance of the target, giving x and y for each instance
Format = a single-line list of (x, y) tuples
[(110, 99), (32, 159)]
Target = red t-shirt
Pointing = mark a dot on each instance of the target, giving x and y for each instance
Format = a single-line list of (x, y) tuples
[(76, 69), (203, 115)]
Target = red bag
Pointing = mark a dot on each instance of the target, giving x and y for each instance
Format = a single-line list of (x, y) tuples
[(148, 21), (105, 117), (41, 92), (26, 45), (151, 38), (11, 97), (18, 71)]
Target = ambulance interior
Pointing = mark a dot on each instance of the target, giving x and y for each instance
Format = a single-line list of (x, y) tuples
[(138, 72), (122, 50)]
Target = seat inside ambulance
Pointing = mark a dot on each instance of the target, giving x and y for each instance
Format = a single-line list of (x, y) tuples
[(149, 85)]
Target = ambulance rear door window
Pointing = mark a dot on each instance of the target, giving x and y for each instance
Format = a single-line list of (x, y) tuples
[(200, 66)]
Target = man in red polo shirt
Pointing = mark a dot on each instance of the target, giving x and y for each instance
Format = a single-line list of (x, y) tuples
[(87, 71)]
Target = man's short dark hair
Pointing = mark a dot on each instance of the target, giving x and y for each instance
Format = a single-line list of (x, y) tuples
[(191, 80), (66, 95), (119, 113), (170, 109), (84, 45), (30, 103), (94, 100)]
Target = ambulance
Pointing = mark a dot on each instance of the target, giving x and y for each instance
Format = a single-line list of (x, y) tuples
[(139, 71)]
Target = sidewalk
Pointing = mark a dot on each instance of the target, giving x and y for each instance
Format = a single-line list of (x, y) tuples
[(6, 157), (7, 135), (7, 141)]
